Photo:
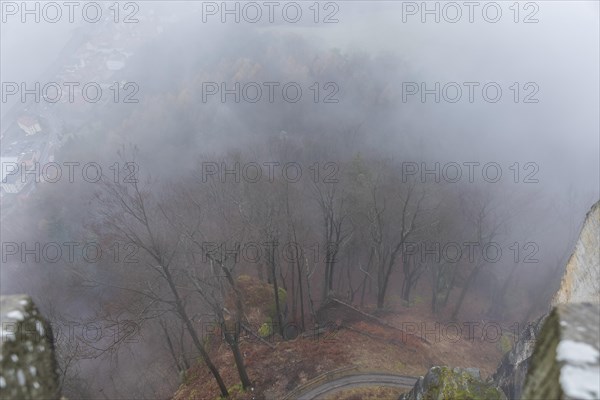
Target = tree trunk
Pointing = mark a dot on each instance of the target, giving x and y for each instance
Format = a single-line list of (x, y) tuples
[(362, 293), (406, 289), (351, 291), (276, 292), (300, 290), (234, 341), (190, 327), (497, 305), (260, 270), (434, 296), (293, 293), (384, 284), (180, 368), (366, 277), (463, 293), (204, 354), (380, 301), (308, 293), (237, 355)]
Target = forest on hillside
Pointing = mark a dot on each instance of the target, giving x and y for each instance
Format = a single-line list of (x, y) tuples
[(303, 161)]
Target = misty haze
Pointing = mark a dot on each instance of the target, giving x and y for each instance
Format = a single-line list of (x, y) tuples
[(300, 200)]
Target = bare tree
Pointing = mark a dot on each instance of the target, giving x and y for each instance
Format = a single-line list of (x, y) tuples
[(388, 241), (413, 267), (261, 211), (446, 229), (223, 202), (335, 215), (132, 214), (296, 259), (309, 273), (178, 355), (366, 278), (486, 225), (211, 292)]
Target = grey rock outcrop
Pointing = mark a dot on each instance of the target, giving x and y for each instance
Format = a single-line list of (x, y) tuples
[(566, 360), (445, 383), (580, 283), (512, 371), (27, 352), (581, 280)]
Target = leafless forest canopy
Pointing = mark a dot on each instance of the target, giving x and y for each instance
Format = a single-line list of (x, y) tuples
[(358, 199)]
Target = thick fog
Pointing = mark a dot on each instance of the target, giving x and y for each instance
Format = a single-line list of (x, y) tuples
[(373, 58)]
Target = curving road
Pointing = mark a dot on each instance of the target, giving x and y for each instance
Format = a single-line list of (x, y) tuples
[(359, 380)]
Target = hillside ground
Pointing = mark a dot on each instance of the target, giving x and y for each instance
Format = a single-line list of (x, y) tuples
[(393, 343)]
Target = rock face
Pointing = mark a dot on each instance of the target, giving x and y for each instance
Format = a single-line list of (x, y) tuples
[(445, 383), (581, 281), (27, 353), (566, 360), (512, 371)]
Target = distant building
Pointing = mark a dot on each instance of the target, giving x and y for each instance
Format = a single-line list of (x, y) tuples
[(12, 181), (116, 61), (29, 124), (29, 158)]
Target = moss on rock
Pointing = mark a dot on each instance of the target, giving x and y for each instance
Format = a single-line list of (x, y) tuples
[(27, 353), (445, 383)]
